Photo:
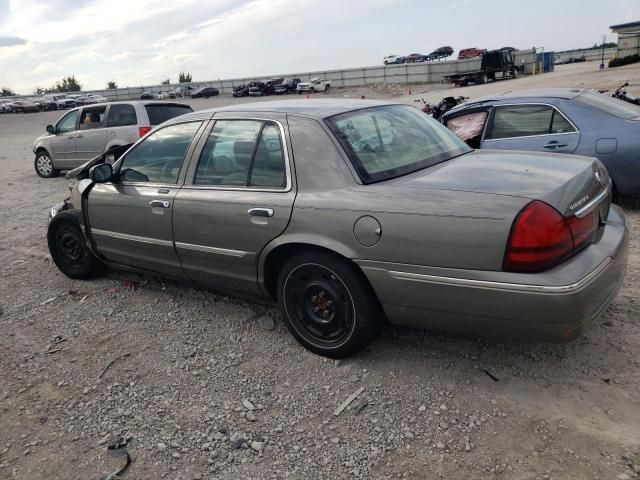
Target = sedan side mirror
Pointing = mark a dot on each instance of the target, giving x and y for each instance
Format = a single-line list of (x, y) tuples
[(101, 173), (50, 129)]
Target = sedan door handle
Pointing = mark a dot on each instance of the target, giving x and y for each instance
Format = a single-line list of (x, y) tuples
[(261, 212), (554, 144), (159, 203)]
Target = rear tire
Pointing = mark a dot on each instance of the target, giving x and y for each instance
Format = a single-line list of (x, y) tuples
[(44, 165), (328, 305), (69, 249)]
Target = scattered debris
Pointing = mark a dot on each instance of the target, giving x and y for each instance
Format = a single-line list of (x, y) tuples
[(131, 284), (119, 447), (248, 405), (490, 375), (349, 399), (83, 299), (360, 406), (124, 355), (51, 347), (48, 300)]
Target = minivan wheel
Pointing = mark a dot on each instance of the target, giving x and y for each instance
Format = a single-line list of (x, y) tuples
[(69, 250), (44, 165), (328, 305)]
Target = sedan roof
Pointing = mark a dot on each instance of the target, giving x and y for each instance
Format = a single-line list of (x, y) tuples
[(319, 108), (565, 93)]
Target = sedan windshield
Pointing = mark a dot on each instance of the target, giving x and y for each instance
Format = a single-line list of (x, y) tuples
[(390, 141)]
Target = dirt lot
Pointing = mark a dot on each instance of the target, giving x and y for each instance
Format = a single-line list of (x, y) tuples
[(185, 359)]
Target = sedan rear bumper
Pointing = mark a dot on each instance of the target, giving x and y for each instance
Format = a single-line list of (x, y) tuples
[(556, 305)]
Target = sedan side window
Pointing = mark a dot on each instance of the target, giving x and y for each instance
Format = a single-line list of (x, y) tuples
[(559, 124), (521, 121), (527, 120), (158, 158), (68, 122), (242, 153)]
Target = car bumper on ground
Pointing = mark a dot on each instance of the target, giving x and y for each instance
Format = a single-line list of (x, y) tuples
[(557, 305)]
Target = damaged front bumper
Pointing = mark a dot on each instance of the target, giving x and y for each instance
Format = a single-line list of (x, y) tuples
[(56, 209)]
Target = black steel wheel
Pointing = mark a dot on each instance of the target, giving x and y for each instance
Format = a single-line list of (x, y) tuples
[(328, 304), (69, 249)]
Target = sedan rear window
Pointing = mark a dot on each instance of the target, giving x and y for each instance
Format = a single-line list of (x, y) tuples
[(160, 113), (390, 141), (613, 106)]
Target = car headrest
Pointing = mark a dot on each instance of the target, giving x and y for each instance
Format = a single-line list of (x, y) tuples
[(243, 151)]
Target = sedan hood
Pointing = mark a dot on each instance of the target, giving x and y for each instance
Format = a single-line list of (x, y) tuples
[(564, 181)]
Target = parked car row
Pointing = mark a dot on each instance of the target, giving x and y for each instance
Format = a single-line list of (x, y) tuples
[(438, 53), (182, 91), (275, 86), (352, 213), (49, 102)]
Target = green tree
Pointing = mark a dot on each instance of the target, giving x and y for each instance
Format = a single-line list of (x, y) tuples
[(184, 77), (68, 84), (111, 85), (7, 92), (165, 82)]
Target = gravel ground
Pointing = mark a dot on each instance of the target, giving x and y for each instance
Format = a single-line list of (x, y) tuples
[(204, 386)]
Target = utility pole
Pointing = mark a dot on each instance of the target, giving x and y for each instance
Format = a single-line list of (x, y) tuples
[(604, 39)]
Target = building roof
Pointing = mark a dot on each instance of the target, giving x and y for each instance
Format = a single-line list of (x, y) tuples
[(624, 26), (320, 108)]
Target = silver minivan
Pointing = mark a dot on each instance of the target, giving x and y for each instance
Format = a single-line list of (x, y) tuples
[(85, 132)]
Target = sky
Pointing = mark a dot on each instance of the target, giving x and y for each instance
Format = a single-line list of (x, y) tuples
[(142, 42)]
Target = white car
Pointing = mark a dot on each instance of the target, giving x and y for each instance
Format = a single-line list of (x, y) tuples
[(392, 59), (314, 85), (97, 98)]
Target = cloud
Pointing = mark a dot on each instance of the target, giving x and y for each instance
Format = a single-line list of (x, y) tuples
[(186, 57), (11, 41)]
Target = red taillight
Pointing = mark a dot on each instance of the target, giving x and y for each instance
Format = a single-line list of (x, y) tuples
[(541, 237), (143, 131), (583, 229)]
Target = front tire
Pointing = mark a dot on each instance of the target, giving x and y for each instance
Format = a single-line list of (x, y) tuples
[(69, 249), (328, 305), (44, 165)]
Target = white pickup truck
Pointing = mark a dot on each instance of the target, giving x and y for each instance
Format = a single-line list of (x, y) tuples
[(314, 85)]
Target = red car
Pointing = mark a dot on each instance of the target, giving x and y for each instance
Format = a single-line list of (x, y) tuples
[(470, 53)]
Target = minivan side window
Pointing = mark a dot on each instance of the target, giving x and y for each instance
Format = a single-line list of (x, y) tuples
[(92, 117), (158, 158), (67, 123), (242, 153), (121, 115), (511, 121)]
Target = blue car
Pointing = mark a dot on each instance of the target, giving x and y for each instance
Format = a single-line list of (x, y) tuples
[(568, 120)]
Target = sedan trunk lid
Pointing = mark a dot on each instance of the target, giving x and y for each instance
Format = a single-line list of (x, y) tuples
[(566, 182)]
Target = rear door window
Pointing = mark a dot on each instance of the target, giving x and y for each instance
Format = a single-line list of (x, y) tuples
[(511, 121), (160, 113), (159, 156), (242, 153), (121, 115)]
